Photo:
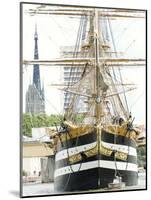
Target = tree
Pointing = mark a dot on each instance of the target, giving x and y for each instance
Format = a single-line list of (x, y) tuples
[(39, 120), (27, 124), (141, 153)]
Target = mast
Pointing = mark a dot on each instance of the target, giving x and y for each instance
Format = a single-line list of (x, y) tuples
[(96, 86), (97, 70)]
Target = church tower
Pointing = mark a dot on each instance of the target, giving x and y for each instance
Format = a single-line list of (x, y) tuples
[(35, 97), (36, 70)]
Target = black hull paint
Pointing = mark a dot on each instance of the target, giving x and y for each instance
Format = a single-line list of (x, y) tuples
[(96, 177), (86, 180)]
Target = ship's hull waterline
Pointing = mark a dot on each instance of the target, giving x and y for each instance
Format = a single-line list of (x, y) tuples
[(79, 166)]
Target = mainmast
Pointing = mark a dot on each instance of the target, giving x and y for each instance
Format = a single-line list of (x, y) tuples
[(97, 70), (96, 86)]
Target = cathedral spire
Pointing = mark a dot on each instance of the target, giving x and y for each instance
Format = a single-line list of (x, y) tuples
[(35, 97), (36, 56), (36, 71)]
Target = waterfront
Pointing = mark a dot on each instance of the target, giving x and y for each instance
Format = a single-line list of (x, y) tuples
[(33, 189)]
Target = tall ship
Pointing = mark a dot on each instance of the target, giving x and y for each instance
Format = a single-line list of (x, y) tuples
[(95, 144)]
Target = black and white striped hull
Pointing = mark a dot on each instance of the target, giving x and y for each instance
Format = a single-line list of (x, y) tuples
[(96, 171)]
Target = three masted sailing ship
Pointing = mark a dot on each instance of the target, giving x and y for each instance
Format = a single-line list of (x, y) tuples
[(95, 145)]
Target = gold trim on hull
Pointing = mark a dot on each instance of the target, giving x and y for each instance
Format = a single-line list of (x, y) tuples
[(75, 132), (94, 151)]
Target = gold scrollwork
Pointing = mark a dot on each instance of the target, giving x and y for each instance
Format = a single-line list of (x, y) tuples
[(75, 158), (92, 152), (105, 151), (121, 155)]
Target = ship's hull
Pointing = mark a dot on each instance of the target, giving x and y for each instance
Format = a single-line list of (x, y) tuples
[(94, 171)]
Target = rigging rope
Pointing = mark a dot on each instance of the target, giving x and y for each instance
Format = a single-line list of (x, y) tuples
[(119, 72), (76, 48), (74, 56), (75, 72), (137, 99), (104, 38), (116, 167)]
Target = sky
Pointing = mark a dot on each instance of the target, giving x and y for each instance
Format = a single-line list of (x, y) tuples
[(57, 31)]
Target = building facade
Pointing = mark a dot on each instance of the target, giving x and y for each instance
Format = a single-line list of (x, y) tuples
[(71, 75)]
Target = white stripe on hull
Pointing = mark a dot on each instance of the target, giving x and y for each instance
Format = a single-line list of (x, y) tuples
[(75, 150), (94, 164), (122, 148)]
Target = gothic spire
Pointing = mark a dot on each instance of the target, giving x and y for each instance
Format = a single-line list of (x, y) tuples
[(35, 99), (36, 71), (43, 91)]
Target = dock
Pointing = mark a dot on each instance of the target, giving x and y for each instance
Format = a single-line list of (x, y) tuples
[(34, 189)]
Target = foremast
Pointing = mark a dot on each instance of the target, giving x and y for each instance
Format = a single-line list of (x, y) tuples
[(97, 90), (97, 69)]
